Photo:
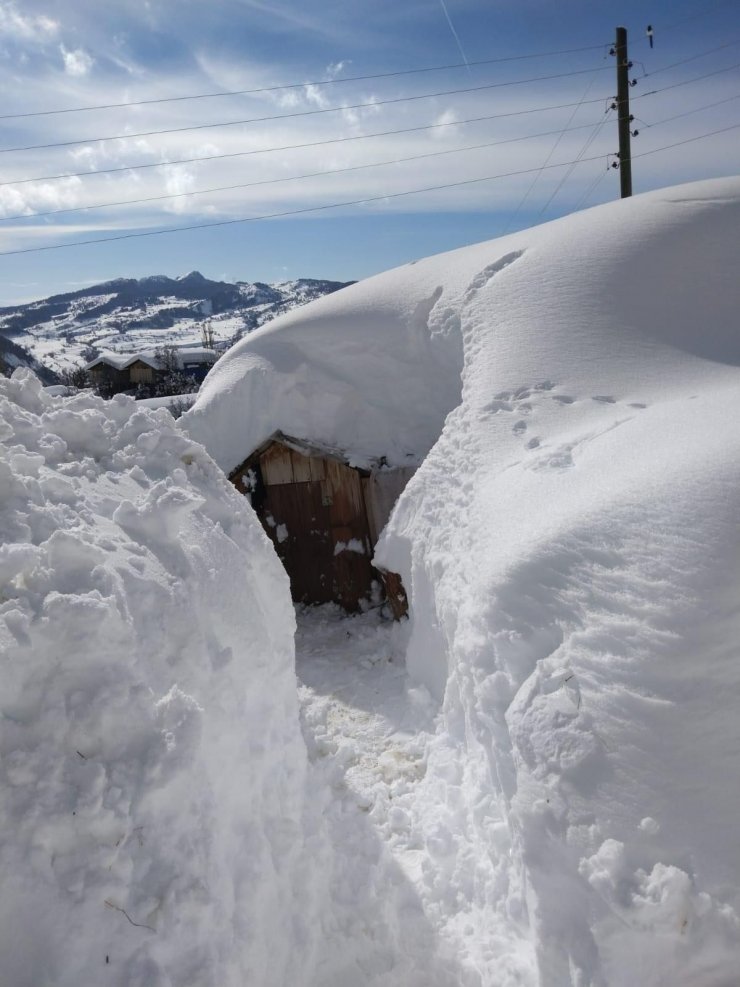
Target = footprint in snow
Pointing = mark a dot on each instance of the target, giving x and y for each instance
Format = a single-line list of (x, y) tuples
[(608, 399)]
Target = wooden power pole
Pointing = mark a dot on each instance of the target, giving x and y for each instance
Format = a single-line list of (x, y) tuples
[(623, 111)]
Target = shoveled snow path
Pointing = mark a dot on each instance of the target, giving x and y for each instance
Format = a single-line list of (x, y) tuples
[(357, 708), (408, 918), (367, 734)]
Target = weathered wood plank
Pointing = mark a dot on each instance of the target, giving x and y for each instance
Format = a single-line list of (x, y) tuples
[(382, 489), (301, 533), (277, 465), (395, 594), (301, 466)]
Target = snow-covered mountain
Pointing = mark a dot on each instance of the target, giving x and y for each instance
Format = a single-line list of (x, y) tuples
[(13, 356), (126, 315)]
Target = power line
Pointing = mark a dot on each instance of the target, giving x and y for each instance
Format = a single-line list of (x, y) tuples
[(340, 140), (591, 189), (277, 215), (687, 113), (704, 12), (334, 205), (302, 113), (300, 85), (547, 160), (589, 141), (295, 147), (688, 82), (693, 58), (688, 140), (291, 178)]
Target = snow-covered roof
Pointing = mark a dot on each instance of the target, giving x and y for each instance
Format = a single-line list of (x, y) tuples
[(376, 368), (195, 354), (120, 361), (305, 447), (185, 356)]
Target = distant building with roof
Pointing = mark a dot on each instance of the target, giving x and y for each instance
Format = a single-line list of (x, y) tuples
[(111, 373)]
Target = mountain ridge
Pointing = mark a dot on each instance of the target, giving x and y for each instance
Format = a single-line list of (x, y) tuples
[(65, 330)]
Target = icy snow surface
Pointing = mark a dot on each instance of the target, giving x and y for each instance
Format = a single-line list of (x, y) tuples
[(570, 545)]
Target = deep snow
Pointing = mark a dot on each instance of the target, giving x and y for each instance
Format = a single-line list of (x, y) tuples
[(549, 798), (152, 793), (570, 545), (162, 821)]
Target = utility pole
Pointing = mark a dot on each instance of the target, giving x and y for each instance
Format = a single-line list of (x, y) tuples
[(206, 334), (623, 111)]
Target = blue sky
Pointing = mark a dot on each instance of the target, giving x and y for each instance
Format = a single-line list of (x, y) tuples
[(61, 54)]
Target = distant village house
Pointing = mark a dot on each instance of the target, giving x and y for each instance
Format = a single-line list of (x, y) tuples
[(113, 373)]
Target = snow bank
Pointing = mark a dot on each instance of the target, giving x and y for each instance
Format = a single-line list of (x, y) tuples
[(570, 545), (571, 548), (152, 771)]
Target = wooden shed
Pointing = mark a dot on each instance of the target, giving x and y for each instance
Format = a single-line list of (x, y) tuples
[(324, 518)]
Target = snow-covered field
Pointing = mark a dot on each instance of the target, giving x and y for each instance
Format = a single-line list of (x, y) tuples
[(536, 780), (66, 346)]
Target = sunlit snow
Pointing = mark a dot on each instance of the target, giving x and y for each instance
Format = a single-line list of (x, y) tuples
[(534, 781)]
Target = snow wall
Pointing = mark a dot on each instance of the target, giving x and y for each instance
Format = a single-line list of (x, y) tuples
[(152, 771), (570, 545), (571, 548)]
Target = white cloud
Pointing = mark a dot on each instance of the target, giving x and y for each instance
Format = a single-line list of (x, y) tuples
[(77, 62), (26, 27), (316, 96), (292, 155), (334, 69), (178, 181), (444, 121), (29, 199)]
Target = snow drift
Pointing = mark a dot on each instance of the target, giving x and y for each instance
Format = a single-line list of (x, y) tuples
[(152, 769), (162, 822), (570, 545)]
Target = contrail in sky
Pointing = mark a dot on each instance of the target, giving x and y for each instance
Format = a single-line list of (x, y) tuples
[(443, 5)]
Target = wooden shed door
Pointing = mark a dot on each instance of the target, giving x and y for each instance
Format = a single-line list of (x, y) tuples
[(302, 536)]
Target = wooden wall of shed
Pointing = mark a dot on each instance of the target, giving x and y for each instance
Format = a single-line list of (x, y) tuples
[(107, 377), (323, 503), (140, 373), (348, 575), (382, 489)]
